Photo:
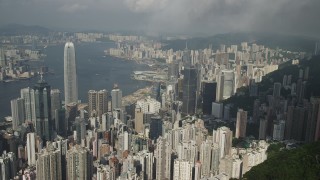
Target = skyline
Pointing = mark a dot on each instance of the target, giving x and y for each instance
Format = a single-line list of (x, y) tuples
[(178, 16)]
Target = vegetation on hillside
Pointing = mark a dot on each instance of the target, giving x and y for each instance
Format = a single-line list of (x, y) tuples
[(300, 163)]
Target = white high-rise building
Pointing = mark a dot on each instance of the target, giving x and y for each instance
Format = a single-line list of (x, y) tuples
[(149, 105), (70, 74), (223, 137), (55, 100), (17, 112), (31, 148), (116, 98), (182, 170)]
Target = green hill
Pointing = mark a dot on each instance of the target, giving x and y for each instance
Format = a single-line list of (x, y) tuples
[(300, 163)]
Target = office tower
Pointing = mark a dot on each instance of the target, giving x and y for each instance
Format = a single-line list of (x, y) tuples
[(163, 159), (3, 62), (17, 112), (31, 148), (70, 74), (241, 125), (44, 124), (55, 101), (208, 96), (29, 104), (189, 91), (55, 108), (79, 163), (228, 83), (49, 164), (220, 85), (155, 127), (276, 89), (97, 102), (116, 98), (182, 170), (70, 116), (80, 127), (138, 120), (149, 105)]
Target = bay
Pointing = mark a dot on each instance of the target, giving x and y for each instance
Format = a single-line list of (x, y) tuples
[(94, 71)]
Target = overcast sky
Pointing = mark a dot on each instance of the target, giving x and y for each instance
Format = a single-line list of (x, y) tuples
[(173, 16)]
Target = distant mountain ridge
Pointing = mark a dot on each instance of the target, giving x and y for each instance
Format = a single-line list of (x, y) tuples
[(18, 29), (288, 42)]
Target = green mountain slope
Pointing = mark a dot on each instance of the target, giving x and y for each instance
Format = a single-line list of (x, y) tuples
[(300, 163)]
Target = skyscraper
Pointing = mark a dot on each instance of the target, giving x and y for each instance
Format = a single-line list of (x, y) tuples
[(189, 91), (49, 164), (79, 163), (97, 102), (29, 105), (17, 112), (31, 148), (208, 96), (241, 125), (116, 98), (2, 58), (70, 74), (42, 99)]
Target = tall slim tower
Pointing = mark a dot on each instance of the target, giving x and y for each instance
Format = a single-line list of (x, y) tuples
[(42, 99), (70, 74), (79, 163), (17, 111), (116, 98), (49, 164), (241, 124), (189, 91)]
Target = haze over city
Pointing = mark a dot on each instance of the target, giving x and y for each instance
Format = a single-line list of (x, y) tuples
[(206, 17), (159, 89)]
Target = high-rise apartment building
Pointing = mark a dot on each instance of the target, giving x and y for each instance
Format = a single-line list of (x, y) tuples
[(97, 102), (241, 125), (163, 159), (79, 163), (182, 169), (49, 164), (70, 74)]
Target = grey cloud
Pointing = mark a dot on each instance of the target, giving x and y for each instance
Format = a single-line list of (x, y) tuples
[(169, 16)]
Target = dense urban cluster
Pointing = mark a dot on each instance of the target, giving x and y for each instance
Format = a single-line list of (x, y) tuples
[(166, 134)]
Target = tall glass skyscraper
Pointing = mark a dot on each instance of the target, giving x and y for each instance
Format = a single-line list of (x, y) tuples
[(70, 74)]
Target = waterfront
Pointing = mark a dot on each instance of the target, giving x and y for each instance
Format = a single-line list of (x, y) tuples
[(95, 71)]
